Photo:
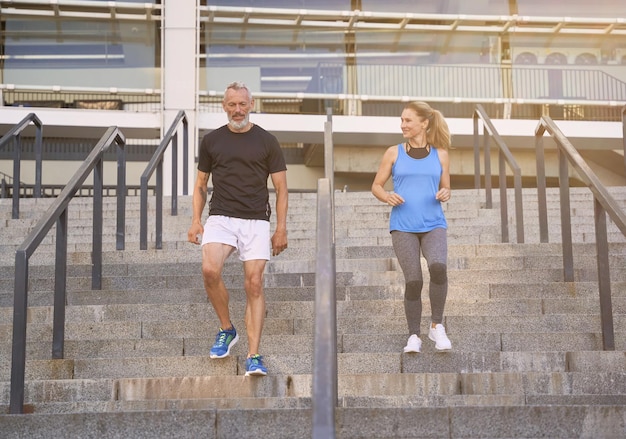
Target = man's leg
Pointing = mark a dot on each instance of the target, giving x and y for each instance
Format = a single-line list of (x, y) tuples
[(255, 303), (213, 257)]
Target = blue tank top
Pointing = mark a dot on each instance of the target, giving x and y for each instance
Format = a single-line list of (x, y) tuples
[(417, 181)]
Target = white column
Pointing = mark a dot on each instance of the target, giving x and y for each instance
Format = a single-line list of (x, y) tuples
[(179, 78)]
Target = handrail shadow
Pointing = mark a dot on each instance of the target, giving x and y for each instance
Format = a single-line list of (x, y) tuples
[(15, 133), (156, 164), (604, 204), (325, 337), (504, 157), (57, 215)]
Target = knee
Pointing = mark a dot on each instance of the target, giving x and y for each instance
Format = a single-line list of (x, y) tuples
[(254, 286), (210, 274), (438, 273), (413, 290)]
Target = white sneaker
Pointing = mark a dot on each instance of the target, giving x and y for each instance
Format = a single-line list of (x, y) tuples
[(438, 335), (414, 344)]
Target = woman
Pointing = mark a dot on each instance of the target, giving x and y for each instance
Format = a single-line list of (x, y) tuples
[(420, 169)]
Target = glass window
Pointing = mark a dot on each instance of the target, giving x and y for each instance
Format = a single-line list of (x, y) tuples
[(88, 52)]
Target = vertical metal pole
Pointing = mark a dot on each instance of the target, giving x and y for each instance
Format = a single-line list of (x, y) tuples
[(519, 206), (624, 134), (143, 214), (185, 156), (121, 197), (604, 278), (476, 152), (17, 160), (96, 255), (174, 174), (504, 204), (329, 164), (541, 185), (159, 205), (566, 220), (325, 355), (38, 161), (487, 149), (18, 362), (60, 287)]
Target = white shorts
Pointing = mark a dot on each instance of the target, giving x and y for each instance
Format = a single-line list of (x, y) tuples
[(251, 238)]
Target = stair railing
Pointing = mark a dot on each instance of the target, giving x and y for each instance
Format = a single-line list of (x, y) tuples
[(15, 134), (504, 157), (325, 342), (603, 203), (57, 215), (624, 133), (156, 164)]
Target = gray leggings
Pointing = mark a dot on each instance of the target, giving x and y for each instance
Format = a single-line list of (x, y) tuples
[(434, 246)]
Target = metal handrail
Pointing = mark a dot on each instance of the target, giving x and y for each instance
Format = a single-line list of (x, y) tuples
[(15, 133), (325, 343), (504, 157), (604, 204), (156, 164), (57, 215)]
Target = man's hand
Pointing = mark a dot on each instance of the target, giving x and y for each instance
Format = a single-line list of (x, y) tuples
[(279, 242), (195, 232)]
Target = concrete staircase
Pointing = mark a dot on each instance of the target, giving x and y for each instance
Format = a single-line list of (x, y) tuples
[(527, 358)]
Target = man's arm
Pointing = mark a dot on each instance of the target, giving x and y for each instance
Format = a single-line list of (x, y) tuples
[(279, 238), (200, 191)]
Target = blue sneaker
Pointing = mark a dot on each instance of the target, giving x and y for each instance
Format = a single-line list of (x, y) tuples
[(224, 341), (254, 366)]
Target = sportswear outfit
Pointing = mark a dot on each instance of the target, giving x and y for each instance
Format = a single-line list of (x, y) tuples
[(419, 227), (239, 208)]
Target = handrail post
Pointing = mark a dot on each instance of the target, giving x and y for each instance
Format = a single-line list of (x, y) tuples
[(624, 133), (96, 253), (159, 205), (174, 206), (487, 149), (604, 278), (120, 238), (185, 156), (329, 164), (519, 206), (143, 213), (476, 151), (38, 160), (566, 221), (325, 344), (504, 205), (541, 183), (18, 360), (17, 163), (60, 283)]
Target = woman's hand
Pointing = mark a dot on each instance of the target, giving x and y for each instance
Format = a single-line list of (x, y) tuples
[(394, 199), (443, 194)]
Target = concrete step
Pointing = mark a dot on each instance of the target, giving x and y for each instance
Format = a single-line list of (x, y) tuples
[(462, 421), (348, 363), (365, 390)]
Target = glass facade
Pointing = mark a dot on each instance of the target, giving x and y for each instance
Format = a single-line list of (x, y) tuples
[(81, 47), (437, 50), (319, 51)]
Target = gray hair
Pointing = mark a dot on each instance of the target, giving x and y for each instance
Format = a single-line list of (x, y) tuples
[(237, 85)]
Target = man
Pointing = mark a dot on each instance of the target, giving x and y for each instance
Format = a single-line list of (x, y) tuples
[(240, 156)]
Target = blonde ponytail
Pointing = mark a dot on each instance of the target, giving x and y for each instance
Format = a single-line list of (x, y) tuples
[(437, 133)]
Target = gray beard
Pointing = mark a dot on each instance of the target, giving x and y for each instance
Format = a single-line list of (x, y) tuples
[(238, 125)]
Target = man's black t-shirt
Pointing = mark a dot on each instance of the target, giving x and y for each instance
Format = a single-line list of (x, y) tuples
[(240, 164)]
